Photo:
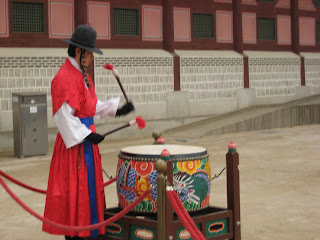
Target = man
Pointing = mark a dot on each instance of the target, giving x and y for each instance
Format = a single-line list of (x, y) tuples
[(75, 194)]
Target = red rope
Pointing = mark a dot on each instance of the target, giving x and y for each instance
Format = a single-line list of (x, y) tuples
[(187, 224), (187, 216), (22, 184), (110, 181), (76, 228), (40, 190)]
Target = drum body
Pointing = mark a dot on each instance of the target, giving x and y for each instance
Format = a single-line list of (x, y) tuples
[(191, 176)]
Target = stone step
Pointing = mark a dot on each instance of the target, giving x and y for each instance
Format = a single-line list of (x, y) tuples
[(299, 112)]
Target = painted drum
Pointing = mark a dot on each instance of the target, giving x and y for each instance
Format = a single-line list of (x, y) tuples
[(191, 175)]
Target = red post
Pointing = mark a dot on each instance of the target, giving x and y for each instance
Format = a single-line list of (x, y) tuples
[(237, 27), (176, 70), (303, 72), (168, 34), (295, 46), (246, 72), (233, 188)]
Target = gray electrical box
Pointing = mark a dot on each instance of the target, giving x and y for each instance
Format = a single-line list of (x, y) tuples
[(30, 125)]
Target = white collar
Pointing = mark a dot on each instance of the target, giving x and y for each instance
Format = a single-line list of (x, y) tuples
[(74, 63)]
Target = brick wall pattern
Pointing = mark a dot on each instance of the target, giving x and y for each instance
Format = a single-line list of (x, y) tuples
[(207, 78), (26, 74), (274, 76), (312, 71), (145, 79)]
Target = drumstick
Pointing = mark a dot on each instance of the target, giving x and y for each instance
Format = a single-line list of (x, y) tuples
[(139, 121), (116, 75)]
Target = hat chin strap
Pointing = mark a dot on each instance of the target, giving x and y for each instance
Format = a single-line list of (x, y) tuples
[(84, 68)]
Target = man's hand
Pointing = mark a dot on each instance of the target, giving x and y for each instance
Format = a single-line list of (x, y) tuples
[(94, 138), (125, 109)]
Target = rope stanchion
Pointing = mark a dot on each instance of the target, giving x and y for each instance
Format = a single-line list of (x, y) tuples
[(37, 189), (76, 228), (109, 182), (189, 225), (22, 184)]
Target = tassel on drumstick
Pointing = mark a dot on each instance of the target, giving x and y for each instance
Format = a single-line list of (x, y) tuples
[(139, 121), (116, 75)]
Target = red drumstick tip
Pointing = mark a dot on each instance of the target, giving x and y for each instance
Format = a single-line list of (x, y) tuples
[(141, 123), (108, 66)]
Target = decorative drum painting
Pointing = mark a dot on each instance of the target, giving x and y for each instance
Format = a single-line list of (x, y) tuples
[(191, 175)]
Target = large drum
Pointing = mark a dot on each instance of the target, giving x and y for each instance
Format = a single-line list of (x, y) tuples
[(191, 175)]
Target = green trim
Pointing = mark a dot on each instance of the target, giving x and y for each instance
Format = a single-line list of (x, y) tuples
[(232, 150), (203, 25), (126, 22), (165, 158), (28, 17), (316, 3), (115, 230), (217, 227), (266, 29)]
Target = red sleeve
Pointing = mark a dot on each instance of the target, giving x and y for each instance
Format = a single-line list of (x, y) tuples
[(66, 87)]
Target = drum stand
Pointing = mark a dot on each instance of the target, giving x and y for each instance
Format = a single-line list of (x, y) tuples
[(215, 223)]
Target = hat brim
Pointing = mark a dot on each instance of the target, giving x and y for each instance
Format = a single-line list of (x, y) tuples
[(96, 50)]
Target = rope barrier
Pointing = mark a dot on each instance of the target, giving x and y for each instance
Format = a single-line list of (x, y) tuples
[(186, 215), (109, 182), (40, 190), (77, 228), (22, 184), (172, 195), (183, 215), (178, 211)]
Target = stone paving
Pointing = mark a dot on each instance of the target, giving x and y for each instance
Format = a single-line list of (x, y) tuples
[(279, 182)]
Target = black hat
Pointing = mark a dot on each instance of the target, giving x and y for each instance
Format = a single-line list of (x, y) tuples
[(84, 37)]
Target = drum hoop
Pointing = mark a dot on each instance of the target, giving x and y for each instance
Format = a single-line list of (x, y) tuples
[(173, 158)]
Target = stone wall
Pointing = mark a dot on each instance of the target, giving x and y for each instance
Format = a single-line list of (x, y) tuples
[(210, 78), (145, 79), (312, 70), (26, 70), (274, 74), (146, 76)]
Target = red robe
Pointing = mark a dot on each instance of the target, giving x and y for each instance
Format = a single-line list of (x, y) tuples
[(67, 199)]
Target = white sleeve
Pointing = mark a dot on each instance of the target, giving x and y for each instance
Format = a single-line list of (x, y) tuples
[(107, 109), (70, 127)]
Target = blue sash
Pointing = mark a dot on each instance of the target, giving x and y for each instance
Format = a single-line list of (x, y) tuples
[(88, 155)]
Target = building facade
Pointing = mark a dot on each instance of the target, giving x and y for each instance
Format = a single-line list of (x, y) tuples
[(176, 58)]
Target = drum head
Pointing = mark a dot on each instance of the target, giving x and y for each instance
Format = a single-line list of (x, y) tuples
[(153, 152)]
